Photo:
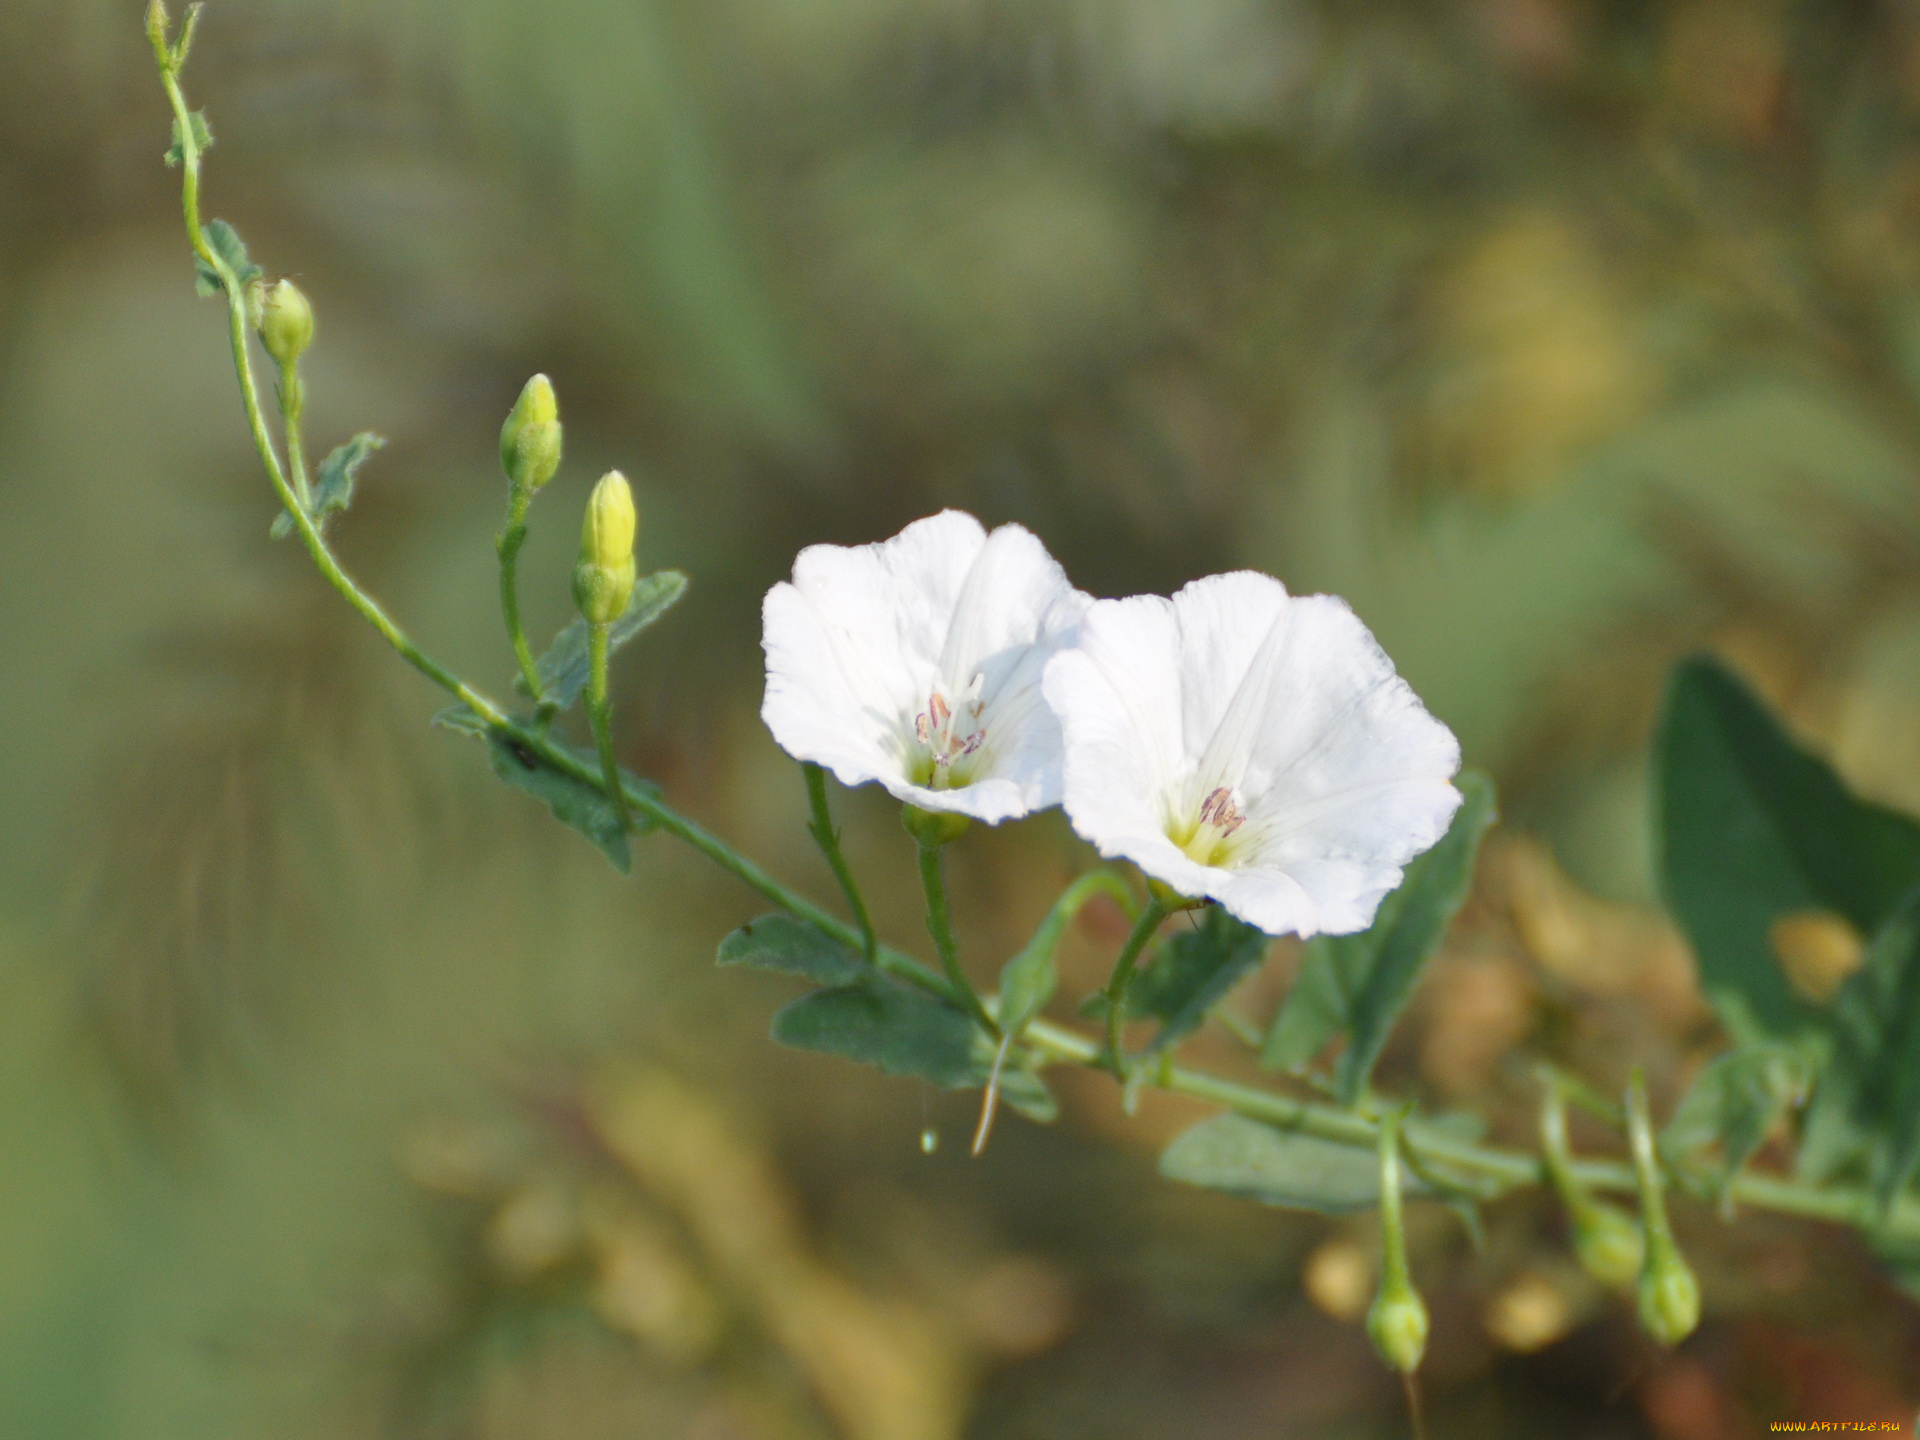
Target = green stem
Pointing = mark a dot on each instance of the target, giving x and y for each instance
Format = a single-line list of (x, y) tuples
[(933, 880), (600, 715), (1120, 984), (507, 545), (293, 402), (828, 839), (1394, 1275), (1050, 1043)]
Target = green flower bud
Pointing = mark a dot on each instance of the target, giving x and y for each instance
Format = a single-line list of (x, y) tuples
[(286, 322), (1397, 1324), (1669, 1295), (933, 828), (530, 438), (603, 580), (1608, 1244)]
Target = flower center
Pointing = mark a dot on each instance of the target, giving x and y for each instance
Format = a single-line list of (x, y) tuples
[(1205, 837), (948, 733)]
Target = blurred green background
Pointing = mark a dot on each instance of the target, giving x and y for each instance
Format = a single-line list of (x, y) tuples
[(347, 1095)]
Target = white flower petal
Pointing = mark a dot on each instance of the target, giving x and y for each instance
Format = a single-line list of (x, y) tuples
[(862, 638), (1286, 703)]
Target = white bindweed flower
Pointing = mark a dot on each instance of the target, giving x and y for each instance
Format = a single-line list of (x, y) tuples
[(1248, 746), (917, 662)]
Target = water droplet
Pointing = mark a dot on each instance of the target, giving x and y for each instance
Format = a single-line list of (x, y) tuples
[(929, 1140)]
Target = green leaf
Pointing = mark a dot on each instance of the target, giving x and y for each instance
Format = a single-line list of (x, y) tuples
[(225, 242), (1732, 1106), (1752, 828), (1871, 1086), (1027, 983), (792, 947), (202, 138), (333, 485), (1243, 1157), (1193, 972), (573, 801), (1358, 984), (461, 718), (563, 669), (901, 1030)]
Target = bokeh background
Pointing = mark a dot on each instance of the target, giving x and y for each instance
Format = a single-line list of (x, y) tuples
[(346, 1095)]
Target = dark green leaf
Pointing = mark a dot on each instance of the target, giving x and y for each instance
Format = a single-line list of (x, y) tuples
[(1193, 972), (1752, 828), (225, 242), (1243, 1157), (901, 1030), (1359, 983), (1871, 1086), (1733, 1106), (202, 138), (573, 801), (792, 947), (563, 669)]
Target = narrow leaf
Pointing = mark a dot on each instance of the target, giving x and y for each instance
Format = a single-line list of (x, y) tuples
[(1027, 983), (573, 801), (1193, 972), (461, 718), (1752, 828), (792, 947), (1359, 983), (1243, 1157), (563, 669)]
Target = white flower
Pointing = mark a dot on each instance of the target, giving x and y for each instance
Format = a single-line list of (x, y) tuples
[(1251, 747), (917, 662)]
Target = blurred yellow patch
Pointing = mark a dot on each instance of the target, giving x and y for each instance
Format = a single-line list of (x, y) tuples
[(1338, 1277), (1529, 1314), (1818, 949), (1540, 364)]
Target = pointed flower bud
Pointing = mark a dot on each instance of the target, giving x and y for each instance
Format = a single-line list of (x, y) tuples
[(530, 438), (1397, 1324), (1669, 1295), (603, 579), (286, 322)]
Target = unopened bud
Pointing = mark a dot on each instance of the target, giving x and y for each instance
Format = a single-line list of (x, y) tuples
[(1397, 1324), (603, 579), (933, 828), (1608, 1244), (286, 322), (1669, 1295), (530, 438), (157, 21)]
